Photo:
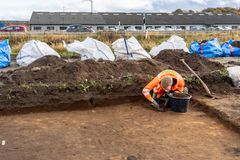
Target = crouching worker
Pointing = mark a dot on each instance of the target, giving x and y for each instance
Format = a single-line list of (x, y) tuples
[(165, 82)]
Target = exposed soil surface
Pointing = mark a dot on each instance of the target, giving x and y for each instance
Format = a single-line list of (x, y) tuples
[(226, 108), (116, 133), (234, 63), (227, 61), (197, 63), (51, 80), (130, 130), (236, 44), (182, 95)]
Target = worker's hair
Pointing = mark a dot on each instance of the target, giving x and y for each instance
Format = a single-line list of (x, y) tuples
[(166, 82)]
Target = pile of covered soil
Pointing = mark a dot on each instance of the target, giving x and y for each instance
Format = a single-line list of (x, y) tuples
[(60, 71), (51, 80), (47, 61), (181, 95), (197, 63), (234, 63), (217, 81), (236, 44)]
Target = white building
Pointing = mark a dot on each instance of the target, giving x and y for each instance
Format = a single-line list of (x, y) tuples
[(58, 21)]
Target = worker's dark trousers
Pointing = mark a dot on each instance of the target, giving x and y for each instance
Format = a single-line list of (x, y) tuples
[(163, 99)]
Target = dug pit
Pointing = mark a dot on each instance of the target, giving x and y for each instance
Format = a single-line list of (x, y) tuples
[(116, 132)]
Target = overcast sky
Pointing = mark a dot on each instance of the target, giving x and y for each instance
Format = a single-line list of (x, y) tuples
[(22, 9)]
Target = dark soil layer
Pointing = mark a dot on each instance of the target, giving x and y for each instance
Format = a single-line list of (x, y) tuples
[(53, 81), (180, 95), (236, 44), (47, 61), (197, 63), (118, 132), (234, 63)]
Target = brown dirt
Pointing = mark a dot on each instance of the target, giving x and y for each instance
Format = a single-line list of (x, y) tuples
[(197, 63), (203, 41), (47, 61), (180, 95), (226, 108), (53, 70), (51, 80), (236, 44), (234, 63), (115, 133)]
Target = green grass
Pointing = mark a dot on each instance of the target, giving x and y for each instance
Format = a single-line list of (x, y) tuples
[(154, 39)]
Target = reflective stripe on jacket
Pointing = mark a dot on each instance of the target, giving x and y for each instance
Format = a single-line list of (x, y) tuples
[(155, 84)]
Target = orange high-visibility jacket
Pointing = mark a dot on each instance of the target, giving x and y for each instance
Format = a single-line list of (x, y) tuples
[(155, 85)]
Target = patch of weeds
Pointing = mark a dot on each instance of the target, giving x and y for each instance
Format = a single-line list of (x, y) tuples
[(43, 85), (84, 86), (63, 86), (129, 79), (109, 86), (150, 77), (191, 80), (10, 95), (224, 73), (94, 83), (2, 84), (188, 79), (26, 86)]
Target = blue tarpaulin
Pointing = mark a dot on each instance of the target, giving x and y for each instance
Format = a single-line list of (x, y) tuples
[(210, 49), (5, 52), (2, 24), (229, 50)]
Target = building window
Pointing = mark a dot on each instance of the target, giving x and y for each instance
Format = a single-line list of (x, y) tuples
[(100, 28), (50, 28), (126, 27), (37, 28), (234, 27), (63, 28), (183, 27), (138, 28), (193, 28)]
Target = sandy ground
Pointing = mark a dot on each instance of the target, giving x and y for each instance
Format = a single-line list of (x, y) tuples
[(114, 133), (226, 108), (12, 67), (226, 61)]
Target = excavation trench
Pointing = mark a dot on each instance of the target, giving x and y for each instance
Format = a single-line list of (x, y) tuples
[(58, 110), (105, 101), (114, 129)]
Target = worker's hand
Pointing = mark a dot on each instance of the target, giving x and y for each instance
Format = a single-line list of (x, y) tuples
[(156, 105), (177, 92)]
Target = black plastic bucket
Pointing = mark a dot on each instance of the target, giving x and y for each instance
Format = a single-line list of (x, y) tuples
[(179, 103)]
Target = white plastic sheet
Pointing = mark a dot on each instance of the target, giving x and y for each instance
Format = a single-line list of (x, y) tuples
[(32, 51), (129, 49), (91, 49), (234, 74), (174, 42)]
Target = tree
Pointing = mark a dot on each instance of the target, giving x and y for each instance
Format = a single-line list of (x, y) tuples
[(178, 11), (191, 11)]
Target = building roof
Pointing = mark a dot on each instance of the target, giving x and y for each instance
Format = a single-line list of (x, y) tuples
[(113, 18), (10, 22)]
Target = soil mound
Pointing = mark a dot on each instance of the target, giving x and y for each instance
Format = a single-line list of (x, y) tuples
[(216, 81), (197, 63), (54, 70), (47, 61), (234, 63), (51, 80), (236, 44)]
